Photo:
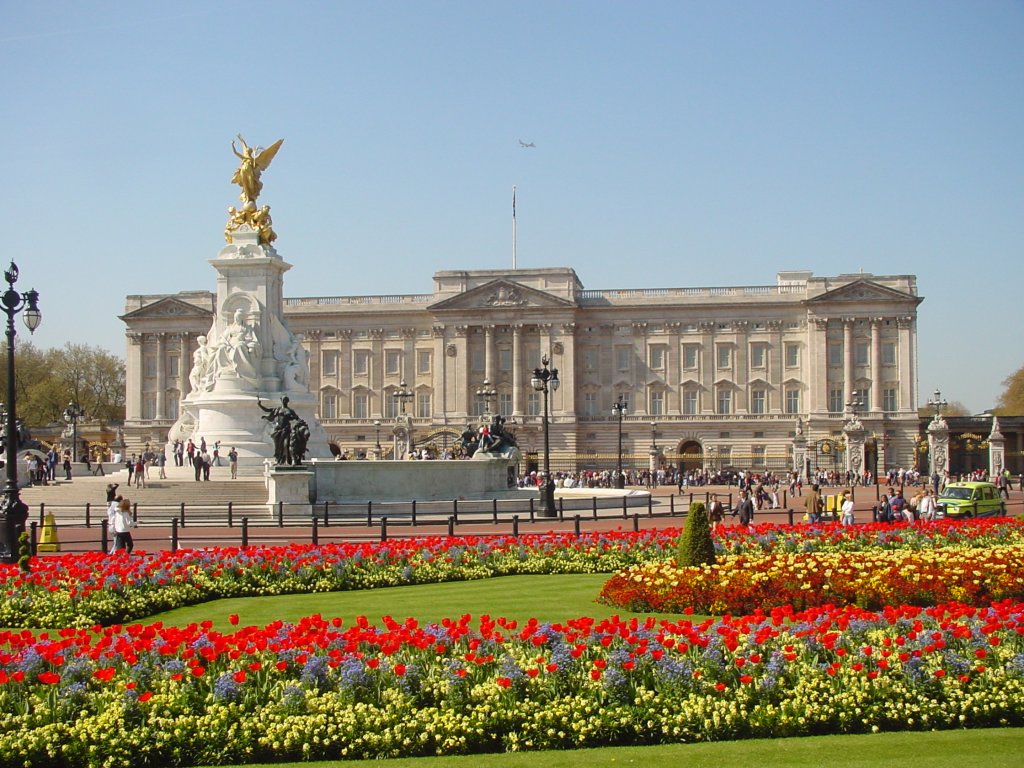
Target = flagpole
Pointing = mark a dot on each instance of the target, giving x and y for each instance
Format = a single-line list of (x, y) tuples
[(513, 226)]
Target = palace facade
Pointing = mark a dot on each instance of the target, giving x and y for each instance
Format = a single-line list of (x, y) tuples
[(711, 377)]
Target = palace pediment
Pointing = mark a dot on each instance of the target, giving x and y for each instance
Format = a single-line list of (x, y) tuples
[(167, 307), (861, 291), (502, 294)]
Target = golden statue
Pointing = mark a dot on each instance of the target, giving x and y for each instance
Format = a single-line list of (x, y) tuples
[(257, 219), (255, 160)]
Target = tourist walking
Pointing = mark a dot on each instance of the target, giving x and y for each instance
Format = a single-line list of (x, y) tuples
[(119, 520), (233, 462)]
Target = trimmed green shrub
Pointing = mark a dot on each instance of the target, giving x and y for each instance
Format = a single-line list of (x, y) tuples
[(695, 545)]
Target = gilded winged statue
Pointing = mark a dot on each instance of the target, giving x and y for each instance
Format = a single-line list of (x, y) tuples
[(255, 160)]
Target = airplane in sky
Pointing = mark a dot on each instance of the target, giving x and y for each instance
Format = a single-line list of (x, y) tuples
[(523, 144)]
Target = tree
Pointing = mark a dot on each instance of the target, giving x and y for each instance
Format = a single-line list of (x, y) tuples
[(1011, 402), (952, 408), (695, 545), (47, 380)]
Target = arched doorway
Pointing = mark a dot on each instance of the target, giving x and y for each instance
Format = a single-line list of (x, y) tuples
[(691, 456)]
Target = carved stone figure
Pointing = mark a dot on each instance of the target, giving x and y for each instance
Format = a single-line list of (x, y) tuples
[(238, 351), (200, 366)]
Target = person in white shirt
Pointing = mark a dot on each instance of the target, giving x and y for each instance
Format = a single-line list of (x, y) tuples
[(119, 520), (847, 508)]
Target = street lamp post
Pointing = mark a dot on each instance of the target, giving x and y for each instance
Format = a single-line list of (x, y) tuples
[(486, 393), (377, 449), (546, 380), (15, 511), (619, 408), (402, 394), (938, 404), (72, 414)]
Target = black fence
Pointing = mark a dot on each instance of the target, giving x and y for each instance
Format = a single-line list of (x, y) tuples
[(175, 527)]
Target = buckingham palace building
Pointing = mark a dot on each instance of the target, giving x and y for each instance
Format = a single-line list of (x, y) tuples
[(720, 377)]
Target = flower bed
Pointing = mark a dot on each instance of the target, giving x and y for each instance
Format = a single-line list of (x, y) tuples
[(159, 696), (870, 579), (83, 590)]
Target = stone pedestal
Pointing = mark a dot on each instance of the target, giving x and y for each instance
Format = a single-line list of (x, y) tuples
[(855, 436), (996, 451), (938, 447), (295, 487)]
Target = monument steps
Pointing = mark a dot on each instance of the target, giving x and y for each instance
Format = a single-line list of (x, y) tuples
[(159, 500)]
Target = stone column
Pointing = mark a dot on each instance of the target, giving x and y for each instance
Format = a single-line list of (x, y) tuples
[(489, 354), (517, 373), (439, 373), (776, 365), (136, 374), (707, 369), (458, 353), (855, 436), (741, 368), (905, 362), (938, 447), (816, 365), (848, 382), (161, 376), (185, 366), (876, 365), (567, 370), (996, 451), (673, 371)]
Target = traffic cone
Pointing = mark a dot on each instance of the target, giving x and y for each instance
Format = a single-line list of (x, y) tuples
[(48, 541)]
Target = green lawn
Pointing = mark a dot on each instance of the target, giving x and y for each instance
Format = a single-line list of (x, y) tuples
[(995, 748), (547, 598)]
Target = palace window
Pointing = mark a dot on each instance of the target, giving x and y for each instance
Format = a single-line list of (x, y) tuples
[(724, 356), (690, 402), (690, 352), (836, 401), (361, 363), (758, 400), (505, 403), (172, 366), (504, 359), (835, 354), (622, 357), (329, 405), (657, 357), (423, 409), (330, 363), (757, 355), (860, 353), (888, 353), (393, 362), (657, 401), (792, 355), (890, 400), (533, 404), (793, 400), (360, 407), (423, 359), (724, 401)]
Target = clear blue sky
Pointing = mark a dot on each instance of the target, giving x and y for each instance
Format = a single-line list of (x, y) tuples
[(677, 144)]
